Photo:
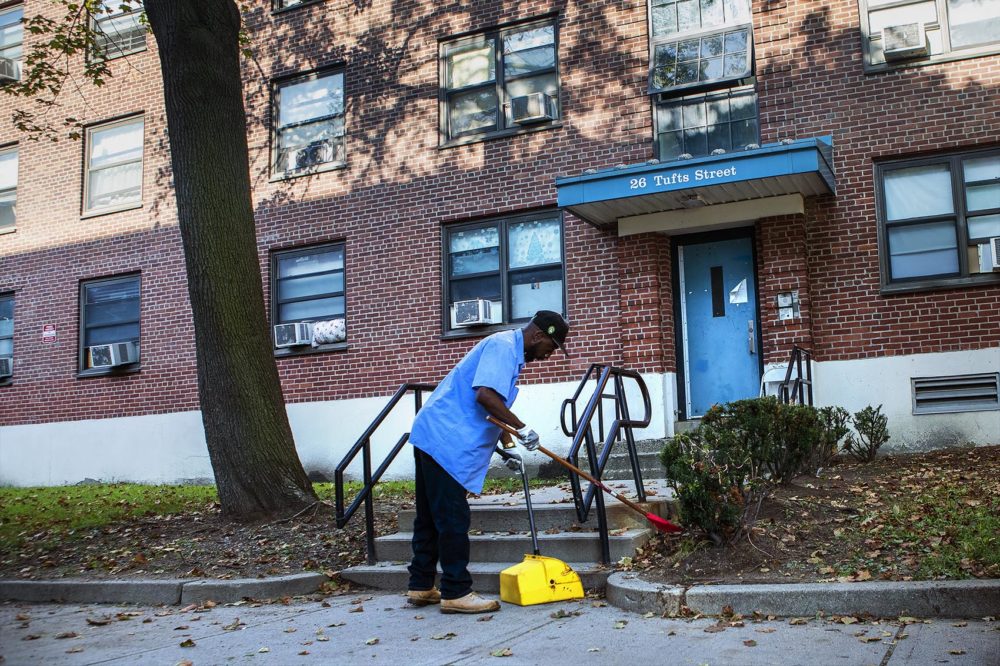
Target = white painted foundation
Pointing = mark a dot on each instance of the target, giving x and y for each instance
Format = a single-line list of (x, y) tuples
[(170, 448)]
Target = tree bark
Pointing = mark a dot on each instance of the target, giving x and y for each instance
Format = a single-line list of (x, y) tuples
[(250, 444)]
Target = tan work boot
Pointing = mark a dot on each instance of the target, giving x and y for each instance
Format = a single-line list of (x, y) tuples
[(423, 597), (470, 603)]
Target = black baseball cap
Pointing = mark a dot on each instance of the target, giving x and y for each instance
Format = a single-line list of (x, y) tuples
[(553, 325)]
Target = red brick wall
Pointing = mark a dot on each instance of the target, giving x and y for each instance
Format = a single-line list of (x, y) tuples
[(812, 83), (399, 187)]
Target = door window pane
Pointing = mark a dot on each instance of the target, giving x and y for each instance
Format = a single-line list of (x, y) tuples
[(918, 192), (923, 249)]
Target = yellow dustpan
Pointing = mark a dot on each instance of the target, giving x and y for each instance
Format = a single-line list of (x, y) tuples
[(538, 579)]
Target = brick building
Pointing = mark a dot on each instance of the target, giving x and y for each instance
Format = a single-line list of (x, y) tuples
[(699, 185)]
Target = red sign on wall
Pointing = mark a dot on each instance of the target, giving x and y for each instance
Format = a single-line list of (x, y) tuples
[(49, 333)]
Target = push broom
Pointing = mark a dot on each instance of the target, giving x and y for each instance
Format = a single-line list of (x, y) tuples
[(659, 524)]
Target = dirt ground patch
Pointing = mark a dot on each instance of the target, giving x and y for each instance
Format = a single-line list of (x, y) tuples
[(901, 517), (894, 519)]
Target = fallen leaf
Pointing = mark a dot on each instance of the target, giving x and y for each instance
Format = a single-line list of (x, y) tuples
[(371, 641), (98, 621), (264, 649), (869, 639), (620, 624), (67, 634), (357, 609), (954, 624), (956, 651), (322, 639), (31, 637), (847, 619), (182, 627), (766, 630), (484, 618), (750, 643), (337, 624), (798, 621), (502, 652), (593, 649), (187, 643), (74, 650), (303, 653), (290, 630), (715, 628)]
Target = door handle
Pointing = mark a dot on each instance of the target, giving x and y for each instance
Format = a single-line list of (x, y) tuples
[(751, 337)]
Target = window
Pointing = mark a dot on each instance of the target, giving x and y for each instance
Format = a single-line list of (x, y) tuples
[(6, 336), (286, 4), (118, 30), (309, 123), (308, 286), (699, 124), (8, 188), (11, 36), (114, 166), (927, 30), (500, 81), (516, 264), (937, 216), (701, 58), (109, 314)]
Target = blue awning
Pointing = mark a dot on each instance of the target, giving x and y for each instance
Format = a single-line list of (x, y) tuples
[(801, 167)]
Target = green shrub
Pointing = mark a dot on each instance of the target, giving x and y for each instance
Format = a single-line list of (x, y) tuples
[(723, 470), (834, 423), (872, 432), (779, 438), (716, 486)]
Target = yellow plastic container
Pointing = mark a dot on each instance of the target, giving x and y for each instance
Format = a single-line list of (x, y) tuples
[(539, 580)]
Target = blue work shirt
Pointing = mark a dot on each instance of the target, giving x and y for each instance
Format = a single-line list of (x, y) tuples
[(452, 427)]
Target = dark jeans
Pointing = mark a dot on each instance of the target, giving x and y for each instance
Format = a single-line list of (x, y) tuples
[(440, 530)]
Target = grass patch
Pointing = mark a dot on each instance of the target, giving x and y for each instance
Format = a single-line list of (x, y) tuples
[(56, 513)]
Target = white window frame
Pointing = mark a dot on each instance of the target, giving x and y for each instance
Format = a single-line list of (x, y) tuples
[(938, 33), (88, 209), (4, 191)]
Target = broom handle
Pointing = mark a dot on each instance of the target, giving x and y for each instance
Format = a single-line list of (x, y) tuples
[(570, 466)]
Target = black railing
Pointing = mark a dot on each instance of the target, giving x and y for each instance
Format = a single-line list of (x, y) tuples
[(581, 430), (370, 478), (799, 389)]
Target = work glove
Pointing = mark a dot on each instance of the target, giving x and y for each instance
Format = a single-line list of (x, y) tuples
[(513, 462), (528, 437)]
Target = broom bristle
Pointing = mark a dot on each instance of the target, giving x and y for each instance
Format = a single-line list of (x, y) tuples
[(663, 525)]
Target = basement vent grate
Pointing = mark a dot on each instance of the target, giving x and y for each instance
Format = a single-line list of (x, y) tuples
[(957, 393)]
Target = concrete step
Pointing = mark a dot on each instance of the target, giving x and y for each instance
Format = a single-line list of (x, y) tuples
[(503, 547), (513, 517), (485, 575), (619, 467)]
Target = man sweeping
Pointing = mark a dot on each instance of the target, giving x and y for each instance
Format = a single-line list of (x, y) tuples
[(452, 445)]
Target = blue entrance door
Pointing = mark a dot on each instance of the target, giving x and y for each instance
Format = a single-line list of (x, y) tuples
[(718, 323)]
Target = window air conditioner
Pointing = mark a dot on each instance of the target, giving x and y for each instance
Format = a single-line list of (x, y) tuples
[(995, 250), (314, 154), (532, 108), (900, 42), (113, 355), (6, 366), (10, 70), (476, 312), (297, 334)]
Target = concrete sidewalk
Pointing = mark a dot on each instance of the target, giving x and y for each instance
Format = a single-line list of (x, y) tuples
[(382, 628)]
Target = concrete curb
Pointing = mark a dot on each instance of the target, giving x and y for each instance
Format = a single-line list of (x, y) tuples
[(960, 598), (156, 592)]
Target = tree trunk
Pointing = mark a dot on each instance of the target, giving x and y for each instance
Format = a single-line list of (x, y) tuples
[(250, 444)]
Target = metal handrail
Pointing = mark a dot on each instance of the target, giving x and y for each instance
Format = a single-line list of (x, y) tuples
[(363, 445), (582, 433), (801, 387)]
